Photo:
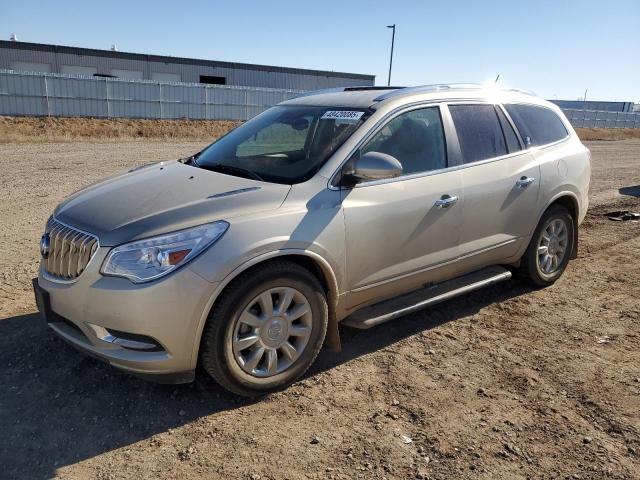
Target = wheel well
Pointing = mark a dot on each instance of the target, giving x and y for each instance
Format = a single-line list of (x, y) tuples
[(307, 263), (302, 260), (570, 204), (332, 340)]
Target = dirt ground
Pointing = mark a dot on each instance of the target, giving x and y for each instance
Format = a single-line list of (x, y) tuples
[(506, 383)]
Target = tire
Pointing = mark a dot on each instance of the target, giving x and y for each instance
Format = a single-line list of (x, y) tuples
[(238, 320), (536, 267)]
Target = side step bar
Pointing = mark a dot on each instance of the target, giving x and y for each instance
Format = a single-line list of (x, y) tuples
[(399, 306)]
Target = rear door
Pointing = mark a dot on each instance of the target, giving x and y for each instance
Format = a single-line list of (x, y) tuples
[(501, 183)]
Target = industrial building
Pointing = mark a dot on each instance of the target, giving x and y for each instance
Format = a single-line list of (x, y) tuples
[(44, 58)]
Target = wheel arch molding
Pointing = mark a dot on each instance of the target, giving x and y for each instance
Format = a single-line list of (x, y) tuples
[(314, 262)]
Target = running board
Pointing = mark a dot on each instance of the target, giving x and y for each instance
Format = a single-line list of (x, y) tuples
[(411, 302)]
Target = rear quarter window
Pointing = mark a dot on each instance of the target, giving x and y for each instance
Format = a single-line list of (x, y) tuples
[(537, 125)]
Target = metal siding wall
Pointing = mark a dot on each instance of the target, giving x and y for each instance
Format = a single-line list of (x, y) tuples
[(602, 118), (594, 105), (188, 73), (23, 94), (64, 95), (182, 101)]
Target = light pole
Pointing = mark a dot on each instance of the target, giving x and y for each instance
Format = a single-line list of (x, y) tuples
[(393, 38)]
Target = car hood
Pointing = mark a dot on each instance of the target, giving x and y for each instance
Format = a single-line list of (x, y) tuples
[(162, 198)]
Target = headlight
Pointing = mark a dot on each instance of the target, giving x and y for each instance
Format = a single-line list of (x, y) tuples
[(145, 260)]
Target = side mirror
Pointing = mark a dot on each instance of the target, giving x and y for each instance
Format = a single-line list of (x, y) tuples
[(375, 166)]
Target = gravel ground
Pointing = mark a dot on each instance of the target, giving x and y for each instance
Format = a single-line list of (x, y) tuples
[(508, 382)]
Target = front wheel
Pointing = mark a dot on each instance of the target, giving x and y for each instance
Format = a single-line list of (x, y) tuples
[(266, 329), (550, 248)]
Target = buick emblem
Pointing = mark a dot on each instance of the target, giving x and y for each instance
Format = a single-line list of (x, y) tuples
[(45, 243)]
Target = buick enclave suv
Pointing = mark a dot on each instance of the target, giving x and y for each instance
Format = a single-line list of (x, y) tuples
[(354, 206)]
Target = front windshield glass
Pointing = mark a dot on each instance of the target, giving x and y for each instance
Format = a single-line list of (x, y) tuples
[(285, 144)]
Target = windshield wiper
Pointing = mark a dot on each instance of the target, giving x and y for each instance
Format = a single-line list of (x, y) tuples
[(191, 160), (232, 170)]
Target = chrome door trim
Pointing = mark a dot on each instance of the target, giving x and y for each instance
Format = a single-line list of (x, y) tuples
[(486, 249)]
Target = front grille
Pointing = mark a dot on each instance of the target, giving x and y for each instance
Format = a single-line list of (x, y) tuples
[(70, 250)]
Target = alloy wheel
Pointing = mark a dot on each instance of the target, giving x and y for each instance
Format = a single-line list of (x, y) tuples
[(272, 331), (552, 246)]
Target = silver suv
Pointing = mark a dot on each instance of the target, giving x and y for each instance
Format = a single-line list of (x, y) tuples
[(354, 206)]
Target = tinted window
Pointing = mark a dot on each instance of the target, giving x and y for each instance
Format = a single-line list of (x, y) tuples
[(284, 144), (415, 138), (509, 134), (479, 132), (539, 124)]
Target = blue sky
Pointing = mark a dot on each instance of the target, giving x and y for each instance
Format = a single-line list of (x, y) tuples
[(555, 48)]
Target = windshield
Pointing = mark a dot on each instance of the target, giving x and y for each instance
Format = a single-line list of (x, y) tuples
[(283, 144)]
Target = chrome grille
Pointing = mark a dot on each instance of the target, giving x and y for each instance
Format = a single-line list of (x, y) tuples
[(70, 250)]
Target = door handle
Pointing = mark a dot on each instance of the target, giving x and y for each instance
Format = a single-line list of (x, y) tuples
[(446, 201), (524, 182)]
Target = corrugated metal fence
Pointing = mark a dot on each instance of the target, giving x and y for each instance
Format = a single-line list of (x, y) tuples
[(602, 119), (56, 95)]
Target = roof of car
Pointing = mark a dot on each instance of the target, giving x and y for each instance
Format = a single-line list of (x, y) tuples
[(365, 97), (339, 97)]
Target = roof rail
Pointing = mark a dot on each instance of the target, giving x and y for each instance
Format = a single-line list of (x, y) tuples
[(445, 86), (521, 90), (318, 92), (370, 87), (346, 89)]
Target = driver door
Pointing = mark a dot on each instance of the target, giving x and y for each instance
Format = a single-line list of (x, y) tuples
[(400, 234)]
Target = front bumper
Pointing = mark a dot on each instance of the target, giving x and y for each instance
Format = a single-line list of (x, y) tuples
[(112, 318)]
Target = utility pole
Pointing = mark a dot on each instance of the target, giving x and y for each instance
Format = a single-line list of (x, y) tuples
[(393, 38)]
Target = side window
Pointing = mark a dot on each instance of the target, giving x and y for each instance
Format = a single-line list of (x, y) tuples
[(479, 132), (415, 138), (537, 125), (510, 136)]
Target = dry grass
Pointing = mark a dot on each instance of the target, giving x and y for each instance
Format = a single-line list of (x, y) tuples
[(56, 129), (587, 134)]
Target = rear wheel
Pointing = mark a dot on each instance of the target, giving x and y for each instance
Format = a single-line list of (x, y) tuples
[(266, 329), (550, 248)]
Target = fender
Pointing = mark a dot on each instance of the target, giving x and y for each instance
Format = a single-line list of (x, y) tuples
[(576, 200), (556, 196), (332, 339)]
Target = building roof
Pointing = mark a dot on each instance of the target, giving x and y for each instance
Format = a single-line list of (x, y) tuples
[(42, 47)]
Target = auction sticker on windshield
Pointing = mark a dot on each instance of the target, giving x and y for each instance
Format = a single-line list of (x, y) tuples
[(344, 115)]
